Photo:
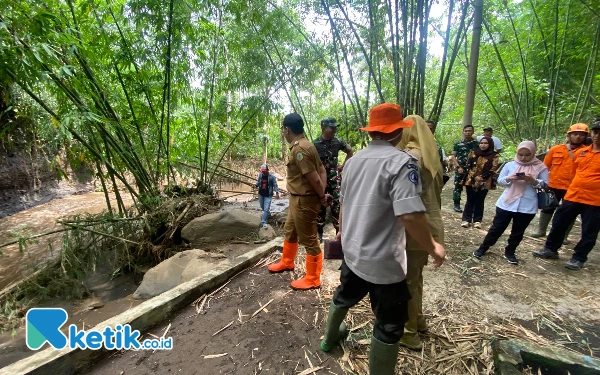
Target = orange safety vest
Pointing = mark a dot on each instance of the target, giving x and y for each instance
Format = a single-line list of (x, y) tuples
[(559, 162), (585, 187)]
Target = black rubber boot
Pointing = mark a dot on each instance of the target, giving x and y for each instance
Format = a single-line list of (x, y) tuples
[(457, 207)]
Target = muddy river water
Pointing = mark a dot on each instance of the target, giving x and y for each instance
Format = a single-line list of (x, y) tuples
[(15, 265)]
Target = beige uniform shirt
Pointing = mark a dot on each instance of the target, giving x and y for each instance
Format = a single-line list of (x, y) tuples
[(303, 158), (431, 197)]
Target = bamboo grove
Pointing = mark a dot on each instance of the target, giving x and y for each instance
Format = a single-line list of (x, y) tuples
[(132, 87)]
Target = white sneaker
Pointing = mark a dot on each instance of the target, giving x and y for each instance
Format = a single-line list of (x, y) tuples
[(464, 224), (264, 226), (477, 225)]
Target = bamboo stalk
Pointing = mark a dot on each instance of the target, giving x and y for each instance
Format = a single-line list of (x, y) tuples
[(363, 50), (73, 226), (235, 191), (335, 33)]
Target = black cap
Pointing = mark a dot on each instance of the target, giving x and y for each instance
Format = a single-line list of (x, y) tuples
[(488, 129), (329, 121), (596, 125), (294, 122)]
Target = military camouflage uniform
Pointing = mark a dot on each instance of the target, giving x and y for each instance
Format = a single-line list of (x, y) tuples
[(461, 151), (328, 152)]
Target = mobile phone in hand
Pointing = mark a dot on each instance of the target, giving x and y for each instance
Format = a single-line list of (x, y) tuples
[(520, 174)]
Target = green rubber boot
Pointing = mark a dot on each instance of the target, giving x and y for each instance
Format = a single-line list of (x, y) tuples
[(543, 225), (411, 340), (336, 330), (383, 357)]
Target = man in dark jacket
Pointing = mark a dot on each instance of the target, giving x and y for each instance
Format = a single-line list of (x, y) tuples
[(266, 184)]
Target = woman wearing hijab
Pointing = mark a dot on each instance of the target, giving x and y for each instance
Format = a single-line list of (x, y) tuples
[(420, 143), (480, 178), (519, 202)]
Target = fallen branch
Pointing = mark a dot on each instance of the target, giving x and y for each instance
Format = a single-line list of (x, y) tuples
[(215, 355), (36, 236), (102, 234), (222, 329), (311, 370), (261, 309)]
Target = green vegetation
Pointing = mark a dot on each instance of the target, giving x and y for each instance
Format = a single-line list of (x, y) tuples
[(132, 89)]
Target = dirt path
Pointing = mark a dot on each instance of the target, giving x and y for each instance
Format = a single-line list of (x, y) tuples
[(109, 297), (282, 338)]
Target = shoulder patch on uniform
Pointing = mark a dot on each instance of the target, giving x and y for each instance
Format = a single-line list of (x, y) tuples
[(412, 166), (413, 176), (300, 156)]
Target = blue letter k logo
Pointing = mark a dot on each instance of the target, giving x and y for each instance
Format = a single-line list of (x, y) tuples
[(43, 325)]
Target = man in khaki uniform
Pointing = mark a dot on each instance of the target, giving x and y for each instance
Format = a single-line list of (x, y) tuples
[(306, 180), (419, 142)]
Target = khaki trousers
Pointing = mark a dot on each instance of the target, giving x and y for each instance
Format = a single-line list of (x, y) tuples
[(301, 223), (416, 261)]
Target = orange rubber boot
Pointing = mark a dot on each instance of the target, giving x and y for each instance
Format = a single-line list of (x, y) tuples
[(287, 258), (312, 280)]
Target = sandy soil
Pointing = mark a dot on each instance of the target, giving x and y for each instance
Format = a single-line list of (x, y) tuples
[(109, 297), (282, 338)]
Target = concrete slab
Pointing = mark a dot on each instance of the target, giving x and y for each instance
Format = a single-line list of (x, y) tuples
[(142, 317), (512, 356)]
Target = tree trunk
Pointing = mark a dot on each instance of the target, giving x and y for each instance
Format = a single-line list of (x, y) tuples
[(474, 59), (283, 147)]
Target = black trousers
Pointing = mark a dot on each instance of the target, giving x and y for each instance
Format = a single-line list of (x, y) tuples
[(565, 214), (389, 303), (474, 207), (560, 194), (520, 221)]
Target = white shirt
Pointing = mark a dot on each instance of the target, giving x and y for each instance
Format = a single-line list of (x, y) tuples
[(528, 202), (379, 184)]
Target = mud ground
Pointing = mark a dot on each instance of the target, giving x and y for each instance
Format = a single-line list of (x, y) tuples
[(109, 297), (542, 297), (559, 304), (282, 338), (547, 302)]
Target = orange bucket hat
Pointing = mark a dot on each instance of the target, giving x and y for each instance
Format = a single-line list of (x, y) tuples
[(386, 118), (579, 127)]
